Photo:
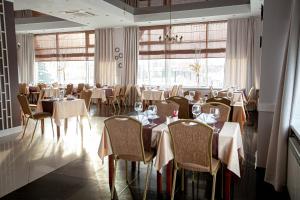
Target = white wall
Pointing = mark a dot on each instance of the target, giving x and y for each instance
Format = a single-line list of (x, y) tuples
[(275, 33)]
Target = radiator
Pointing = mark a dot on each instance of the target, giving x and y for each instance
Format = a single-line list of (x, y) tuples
[(293, 171)]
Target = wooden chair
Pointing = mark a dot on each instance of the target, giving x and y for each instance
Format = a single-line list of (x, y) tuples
[(126, 139), (28, 114), (250, 104), (139, 92), (69, 90), (115, 97), (224, 110), (192, 146), (219, 100), (98, 85), (124, 97), (183, 112), (23, 89), (87, 86), (166, 108), (80, 88), (86, 95), (174, 91)]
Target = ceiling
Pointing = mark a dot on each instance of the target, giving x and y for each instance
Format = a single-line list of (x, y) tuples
[(73, 15)]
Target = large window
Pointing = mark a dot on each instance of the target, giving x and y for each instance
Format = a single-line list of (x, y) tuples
[(168, 63), (65, 57)]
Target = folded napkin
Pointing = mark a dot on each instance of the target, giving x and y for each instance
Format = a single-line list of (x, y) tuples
[(206, 118)]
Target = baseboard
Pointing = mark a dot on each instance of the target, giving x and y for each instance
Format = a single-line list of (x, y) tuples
[(11, 131)]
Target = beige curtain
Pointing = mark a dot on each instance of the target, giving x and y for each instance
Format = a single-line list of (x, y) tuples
[(131, 59), (276, 168), (105, 64), (25, 45), (243, 54)]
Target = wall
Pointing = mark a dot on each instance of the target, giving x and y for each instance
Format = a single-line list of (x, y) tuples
[(9, 82), (275, 34)]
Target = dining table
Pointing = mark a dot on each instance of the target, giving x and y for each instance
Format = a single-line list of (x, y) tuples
[(98, 93), (51, 92), (227, 147), (63, 109), (153, 95)]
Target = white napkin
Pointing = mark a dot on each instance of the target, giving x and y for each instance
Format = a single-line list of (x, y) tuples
[(206, 118)]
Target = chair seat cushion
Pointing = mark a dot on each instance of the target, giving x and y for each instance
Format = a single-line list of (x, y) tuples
[(199, 168), (41, 115), (148, 157)]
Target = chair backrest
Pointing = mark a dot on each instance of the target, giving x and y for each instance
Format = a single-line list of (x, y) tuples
[(41, 95), (250, 94), (224, 110), (86, 96), (166, 108), (183, 112), (126, 137), (24, 104), (41, 86), (87, 86), (55, 85), (197, 95), (138, 90), (219, 100), (117, 91), (179, 91), (23, 88), (192, 144), (80, 87), (98, 85), (128, 89), (173, 91), (69, 90)]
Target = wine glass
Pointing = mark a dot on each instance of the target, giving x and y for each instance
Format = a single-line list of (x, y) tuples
[(196, 110), (152, 111), (138, 107), (215, 114), (191, 94)]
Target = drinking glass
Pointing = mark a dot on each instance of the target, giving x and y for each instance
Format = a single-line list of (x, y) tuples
[(191, 94), (196, 110), (138, 107), (152, 111), (215, 93), (216, 115)]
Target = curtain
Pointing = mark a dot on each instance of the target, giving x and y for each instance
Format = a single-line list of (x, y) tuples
[(131, 59), (242, 65), (105, 64), (25, 57), (277, 152)]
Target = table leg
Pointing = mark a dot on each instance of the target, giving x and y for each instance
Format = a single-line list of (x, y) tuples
[(66, 125), (227, 185), (42, 125), (133, 166), (110, 170), (58, 132), (159, 182), (169, 178)]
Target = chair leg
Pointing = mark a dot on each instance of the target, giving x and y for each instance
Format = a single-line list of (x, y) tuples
[(147, 180), (36, 123), (174, 183), (25, 127), (114, 180), (213, 187), (52, 127), (182, 180), (126, 170)]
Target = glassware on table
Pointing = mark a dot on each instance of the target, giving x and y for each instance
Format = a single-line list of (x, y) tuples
[(216, 115), (151, 112), (138, 107), (191, 94), (215, 93), (196, 110), (201, 101)]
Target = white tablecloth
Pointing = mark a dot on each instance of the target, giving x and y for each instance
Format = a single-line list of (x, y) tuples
[(65, 109), (230, 146), (51, 92), (98, 93), (155, 95)]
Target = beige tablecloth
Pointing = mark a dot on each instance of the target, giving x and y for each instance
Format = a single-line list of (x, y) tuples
[(98, 93), (230, 146), (239, 114), (65, 109), (51, 92), (155, 95)]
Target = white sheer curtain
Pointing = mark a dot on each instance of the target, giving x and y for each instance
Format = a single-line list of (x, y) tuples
[(25, 57), (105, 64), (288, 90), (242, 66), (131, 58)]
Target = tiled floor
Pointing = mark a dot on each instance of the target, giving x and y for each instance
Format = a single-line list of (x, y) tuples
[(70, 168)]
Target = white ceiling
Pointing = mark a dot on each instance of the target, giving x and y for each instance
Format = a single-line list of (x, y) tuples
[(107, 15)]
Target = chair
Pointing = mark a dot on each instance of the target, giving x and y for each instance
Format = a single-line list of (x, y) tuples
[(87, 86), (192, 146), (55, 85), (179, 91), (115, 97), (224, 110), (86, 95), (166, 108), (250, 103), (173, 91), (42, 86), (35, 116), (124, 97), (219, 100), (98, 85), (183, 112), (80, 88), (139, 92), (69, 90), (23, 89), (41, 96), (126, 138)]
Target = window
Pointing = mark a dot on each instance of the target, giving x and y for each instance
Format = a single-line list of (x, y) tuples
[(165, 63), (65, 57)]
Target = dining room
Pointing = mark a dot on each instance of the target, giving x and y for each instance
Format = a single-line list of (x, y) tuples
[(149, 99)]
